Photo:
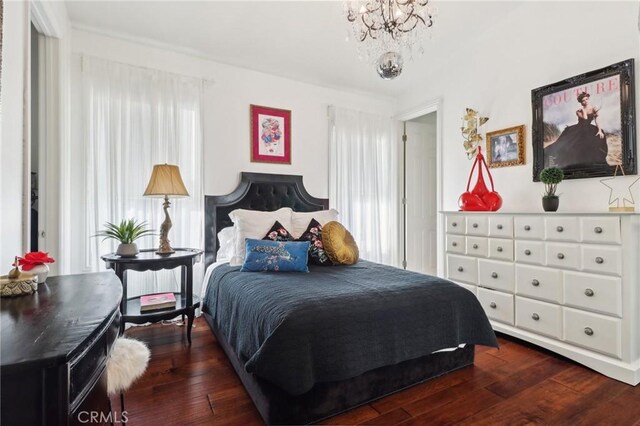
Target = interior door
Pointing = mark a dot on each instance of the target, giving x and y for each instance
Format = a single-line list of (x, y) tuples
[(421, 208)]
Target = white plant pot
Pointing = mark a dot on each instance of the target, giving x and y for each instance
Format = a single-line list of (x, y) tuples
[(42, 271), (127, 250)]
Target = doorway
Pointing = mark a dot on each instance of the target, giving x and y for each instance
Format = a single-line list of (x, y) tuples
[(36, 137), (421, 193)]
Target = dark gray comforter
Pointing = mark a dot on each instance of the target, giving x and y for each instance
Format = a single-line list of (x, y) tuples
[(334, 323)]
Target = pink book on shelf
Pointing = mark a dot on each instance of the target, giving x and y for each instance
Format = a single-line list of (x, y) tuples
[(157, 301)]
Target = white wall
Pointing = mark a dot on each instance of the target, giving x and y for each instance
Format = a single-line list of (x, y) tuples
[(228, 94), (12, 162), (537, 44)]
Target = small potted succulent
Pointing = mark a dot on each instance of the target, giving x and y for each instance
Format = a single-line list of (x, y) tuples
[(127, 232), (551, 177)]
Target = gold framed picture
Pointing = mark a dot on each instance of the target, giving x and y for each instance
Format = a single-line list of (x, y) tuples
[(506, 147)]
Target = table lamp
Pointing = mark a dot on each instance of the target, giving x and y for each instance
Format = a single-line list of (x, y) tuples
[(165, 181)]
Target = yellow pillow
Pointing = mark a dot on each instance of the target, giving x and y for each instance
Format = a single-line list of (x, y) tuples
[(339, 244)]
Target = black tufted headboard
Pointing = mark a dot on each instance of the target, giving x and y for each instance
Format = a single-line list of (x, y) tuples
[(257, 191)]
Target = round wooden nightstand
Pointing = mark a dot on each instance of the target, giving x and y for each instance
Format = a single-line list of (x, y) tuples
[(148, 260)]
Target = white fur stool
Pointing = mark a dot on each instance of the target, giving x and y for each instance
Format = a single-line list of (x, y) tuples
[(127, 362)]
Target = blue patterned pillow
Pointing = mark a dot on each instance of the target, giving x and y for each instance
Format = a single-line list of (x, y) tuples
[(277, 256)]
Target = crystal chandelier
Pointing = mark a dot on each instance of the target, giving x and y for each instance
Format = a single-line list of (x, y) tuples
[(388, 29)]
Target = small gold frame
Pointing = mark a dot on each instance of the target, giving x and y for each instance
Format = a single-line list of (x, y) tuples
[(492, 161)]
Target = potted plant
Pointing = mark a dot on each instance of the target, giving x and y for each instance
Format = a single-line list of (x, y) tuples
[(551, 177), (127, 232), (35, 263)]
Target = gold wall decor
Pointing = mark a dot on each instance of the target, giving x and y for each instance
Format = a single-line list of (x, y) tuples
[(506, 147), (471, 123)]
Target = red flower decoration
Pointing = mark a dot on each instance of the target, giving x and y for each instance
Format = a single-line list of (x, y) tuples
[(34, 258)]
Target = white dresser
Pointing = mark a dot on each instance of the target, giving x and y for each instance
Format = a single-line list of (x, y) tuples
[(567, 282)]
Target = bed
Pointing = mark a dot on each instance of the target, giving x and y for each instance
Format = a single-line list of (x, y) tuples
[(309, 346)]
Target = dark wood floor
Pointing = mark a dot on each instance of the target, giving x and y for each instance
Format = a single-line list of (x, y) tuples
[(516, 385)]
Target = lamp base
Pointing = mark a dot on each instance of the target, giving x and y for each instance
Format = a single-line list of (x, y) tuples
[(165, 252), (165, 248)]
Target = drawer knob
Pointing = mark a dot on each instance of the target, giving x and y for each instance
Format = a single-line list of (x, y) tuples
[(454, 224), (454, 244), (535, 316), (560, 256), (597, 230), (499, 226), (475, 225), (493, 305), (494, 275), (475, 246), (559, 229), (589, 293), (460, 269), (588, 331), (527, 228), (535, 283), (599, 260), (499, 249), (527, 252)]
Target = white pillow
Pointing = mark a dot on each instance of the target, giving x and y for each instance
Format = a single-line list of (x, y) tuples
[(255, 224), (301, 220), (227, 239)]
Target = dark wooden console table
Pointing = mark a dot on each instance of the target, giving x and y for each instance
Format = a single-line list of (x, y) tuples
[(55, 345), (148, 260)]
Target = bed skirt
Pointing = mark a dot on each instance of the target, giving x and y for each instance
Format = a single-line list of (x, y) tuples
[(330, 398)]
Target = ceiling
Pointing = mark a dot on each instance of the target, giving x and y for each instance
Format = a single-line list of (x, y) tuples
[(301, 40)]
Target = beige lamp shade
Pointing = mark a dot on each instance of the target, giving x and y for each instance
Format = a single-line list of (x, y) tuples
[(166, 180)]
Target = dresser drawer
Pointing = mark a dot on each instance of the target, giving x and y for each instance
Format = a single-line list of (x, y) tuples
[(86, 368), (456, 244), (597, 332), (462, 268), (496, 274), (602, 259), (563, 255), (471, 288), (600, 230), (593, 292), (565, 228), (501, 249), (477, 246), (501, 226), (539, 317), (539, 283), (530, 227), (456, 224), (477, 225), (530, 252), (498, 306)]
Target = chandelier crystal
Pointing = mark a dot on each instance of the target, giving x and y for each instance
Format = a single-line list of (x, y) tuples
[(389, 65), (388, 30)]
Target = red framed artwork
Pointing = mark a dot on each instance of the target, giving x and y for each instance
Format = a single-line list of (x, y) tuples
[(270, 135)]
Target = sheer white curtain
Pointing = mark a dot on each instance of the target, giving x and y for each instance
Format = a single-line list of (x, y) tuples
[(133, 118), (363, 180)]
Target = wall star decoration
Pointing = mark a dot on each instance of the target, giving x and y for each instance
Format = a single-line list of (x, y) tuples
[(620, 190)]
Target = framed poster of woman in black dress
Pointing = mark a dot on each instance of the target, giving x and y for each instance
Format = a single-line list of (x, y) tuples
[(585, 125)]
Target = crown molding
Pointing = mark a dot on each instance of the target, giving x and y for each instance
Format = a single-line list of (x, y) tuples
[(49, 17), (199, 54)]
